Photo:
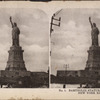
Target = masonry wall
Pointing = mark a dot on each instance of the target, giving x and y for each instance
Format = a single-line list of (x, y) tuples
[(4, 73)]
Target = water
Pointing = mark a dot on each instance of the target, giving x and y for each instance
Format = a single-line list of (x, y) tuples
[(58, 86), (4, 86), (67, 85)]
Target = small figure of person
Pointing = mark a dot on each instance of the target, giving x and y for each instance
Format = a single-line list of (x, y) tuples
[(80, 85), (15, 33), (64, 86), (94, 33)]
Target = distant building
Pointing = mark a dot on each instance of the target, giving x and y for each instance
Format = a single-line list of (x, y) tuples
[(78, 73), (69, 73)]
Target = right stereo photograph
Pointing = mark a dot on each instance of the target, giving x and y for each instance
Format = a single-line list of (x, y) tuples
[(75, 50)]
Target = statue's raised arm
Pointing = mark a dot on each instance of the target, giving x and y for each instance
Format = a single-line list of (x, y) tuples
[(90, 22), (11, 21)]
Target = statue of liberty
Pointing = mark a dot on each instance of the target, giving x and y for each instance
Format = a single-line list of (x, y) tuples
[(94, 33), (15, 33)]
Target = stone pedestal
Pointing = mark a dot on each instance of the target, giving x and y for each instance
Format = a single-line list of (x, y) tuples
[(15, 59), (93, 62)]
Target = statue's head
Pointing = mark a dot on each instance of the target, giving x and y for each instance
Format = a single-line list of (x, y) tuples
[(94, 24), (15, 24)]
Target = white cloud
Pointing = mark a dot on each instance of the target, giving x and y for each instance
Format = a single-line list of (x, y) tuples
[(37, 48)]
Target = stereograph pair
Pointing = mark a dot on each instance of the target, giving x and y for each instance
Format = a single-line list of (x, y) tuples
[(71, 59)]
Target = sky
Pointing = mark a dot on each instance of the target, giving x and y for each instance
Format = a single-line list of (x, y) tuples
[(34, 37), (71, 41)]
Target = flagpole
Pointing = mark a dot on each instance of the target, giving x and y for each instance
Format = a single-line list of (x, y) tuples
[(50, 42)]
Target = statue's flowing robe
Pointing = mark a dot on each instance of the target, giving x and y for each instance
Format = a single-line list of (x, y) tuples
[(15, 35), (94, 34)]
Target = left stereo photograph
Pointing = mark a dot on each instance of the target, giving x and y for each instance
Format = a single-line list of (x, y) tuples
[(24, 52)]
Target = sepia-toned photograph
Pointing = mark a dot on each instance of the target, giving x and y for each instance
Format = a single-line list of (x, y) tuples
[(75, 50), (49, 50), (24, 48)]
